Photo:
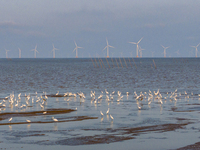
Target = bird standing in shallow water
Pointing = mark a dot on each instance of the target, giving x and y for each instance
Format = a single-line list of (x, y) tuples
[(54, 119), (28, 120), (101, 113), (111, 117), (10, 120), (107, 111)]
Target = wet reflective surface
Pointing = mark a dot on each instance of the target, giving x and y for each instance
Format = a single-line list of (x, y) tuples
[(162, 105)]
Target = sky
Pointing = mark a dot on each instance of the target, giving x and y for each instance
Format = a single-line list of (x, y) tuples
[(171, 23)]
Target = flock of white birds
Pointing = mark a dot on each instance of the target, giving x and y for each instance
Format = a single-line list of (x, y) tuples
[(41, 101)]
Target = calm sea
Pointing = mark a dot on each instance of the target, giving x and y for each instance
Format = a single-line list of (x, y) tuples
[(169, 118)]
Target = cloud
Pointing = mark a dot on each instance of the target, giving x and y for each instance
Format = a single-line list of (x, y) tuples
[(11, 27), (8, 24)]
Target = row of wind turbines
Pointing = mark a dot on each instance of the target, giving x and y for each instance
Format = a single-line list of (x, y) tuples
[(138, 49)]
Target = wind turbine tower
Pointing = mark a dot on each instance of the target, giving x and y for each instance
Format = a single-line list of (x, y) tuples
[(196, 49), (137, 46), (107, 48), (53, 50), (76, 49), (7, 53), (19, 52), (165, 50), (35, 51)]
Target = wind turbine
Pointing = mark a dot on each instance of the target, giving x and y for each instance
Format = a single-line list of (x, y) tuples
[(7, 53), (140, 50), (177, 52), (196, 49), (76, 49), (165, 50), (19, 52), (137, 46), (107, 47), (152, 52), (131, 54), (35, 51), (53, 50)]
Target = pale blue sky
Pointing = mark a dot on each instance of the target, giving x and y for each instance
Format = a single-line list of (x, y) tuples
[(174, 23)]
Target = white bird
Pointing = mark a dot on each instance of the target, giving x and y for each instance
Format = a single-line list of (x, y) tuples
[(156, 92), (28, 120), (54, 119), (106, 91), (10, 120), (57, 93), (127, 93), (41, 106), (111, 117), (100, 96), (19, 95), (108, 111), (16, 104), (119, 93), (44, 112), (101, 113)]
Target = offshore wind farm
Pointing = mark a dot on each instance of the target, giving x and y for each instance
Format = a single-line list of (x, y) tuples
[(84, 75), (138, 51)]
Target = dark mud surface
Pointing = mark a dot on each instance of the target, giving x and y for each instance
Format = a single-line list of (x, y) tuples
[(51, 112), (109, 135), (7, 115), (195, 146)]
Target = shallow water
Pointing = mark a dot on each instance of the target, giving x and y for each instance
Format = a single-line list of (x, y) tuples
[(154, 126)]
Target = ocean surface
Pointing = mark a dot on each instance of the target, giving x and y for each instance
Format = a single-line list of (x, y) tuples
[(153, 103)]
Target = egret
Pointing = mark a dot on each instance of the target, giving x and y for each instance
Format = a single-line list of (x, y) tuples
[(54, 119)]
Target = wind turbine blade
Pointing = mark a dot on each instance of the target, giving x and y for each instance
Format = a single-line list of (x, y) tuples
[(74, 49), (75, 43), (198, 45), (111, 46), (140, 40), (106, 40), (132, 42), (105, 48), (35, 46), (162, 46)]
